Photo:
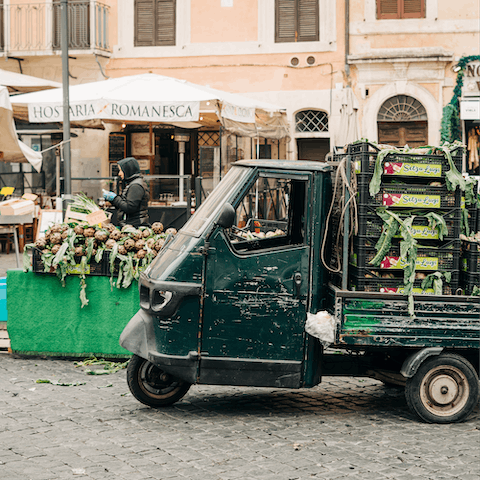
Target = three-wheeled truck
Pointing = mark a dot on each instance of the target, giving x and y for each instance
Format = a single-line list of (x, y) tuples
[(226, 303)]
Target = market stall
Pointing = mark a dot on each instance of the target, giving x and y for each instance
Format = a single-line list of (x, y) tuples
[(85, 271)]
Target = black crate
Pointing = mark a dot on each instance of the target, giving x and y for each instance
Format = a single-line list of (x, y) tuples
[(368, 280), (371, 225), (470, 257), (92, 268), (473, 218), (417, 165), (445, 258), (403, 196), (468, 282)]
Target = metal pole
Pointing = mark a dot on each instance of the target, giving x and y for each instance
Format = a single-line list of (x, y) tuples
[(346, 228), (67, 188)]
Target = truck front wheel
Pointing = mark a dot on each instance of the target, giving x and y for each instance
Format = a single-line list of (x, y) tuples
[(444, 389), (152, 386)]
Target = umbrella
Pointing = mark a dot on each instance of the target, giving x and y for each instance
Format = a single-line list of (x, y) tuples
[(18, 82), (150, 98), (11, 148), (348, 131)]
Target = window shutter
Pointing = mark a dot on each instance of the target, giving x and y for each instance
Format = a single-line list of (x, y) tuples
[(79, 25), (388, 9), (413, 9), (400, 9), (285, 21), (165, 29), (307, 21), (144, 23)]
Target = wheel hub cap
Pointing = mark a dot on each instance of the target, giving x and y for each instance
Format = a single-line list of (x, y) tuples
[(443, 390)]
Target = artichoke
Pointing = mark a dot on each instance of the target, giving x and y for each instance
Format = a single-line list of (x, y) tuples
[(159, 244), (55, 249), (89, 232), (129, 244), (56, 238), (157, 227), (150, 243), (78, 229), (140, 254), (146, 233), (171, 230), (101, 235), (140, 244), (79, 251), (110, 243), (115, 234), (122, 250), (41, 243), (136, 235)]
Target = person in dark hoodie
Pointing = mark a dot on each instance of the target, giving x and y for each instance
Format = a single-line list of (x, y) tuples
[(133, 201)]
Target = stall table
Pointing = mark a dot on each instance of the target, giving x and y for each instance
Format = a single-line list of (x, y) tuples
[(45, 318)]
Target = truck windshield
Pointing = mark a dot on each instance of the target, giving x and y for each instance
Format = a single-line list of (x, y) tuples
[(215, 201)]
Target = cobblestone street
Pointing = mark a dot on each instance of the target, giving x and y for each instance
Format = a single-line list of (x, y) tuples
[(344, 428)]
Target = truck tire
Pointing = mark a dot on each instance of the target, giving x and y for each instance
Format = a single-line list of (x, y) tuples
[(444, 389), (152, 386)]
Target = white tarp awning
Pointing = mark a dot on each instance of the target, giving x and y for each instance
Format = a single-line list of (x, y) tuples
[(11, 148), (20, 83), (152, 98)]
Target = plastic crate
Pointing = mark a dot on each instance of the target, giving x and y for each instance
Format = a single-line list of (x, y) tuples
[(367, 280), (468, 282), (364, 156), (371, 225), (3, 299), (445, 258), (473, 218), (93, 267), (470, 259), (398, 195)]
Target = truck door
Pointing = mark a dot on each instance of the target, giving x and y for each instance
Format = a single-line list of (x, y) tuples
[(256, 287)]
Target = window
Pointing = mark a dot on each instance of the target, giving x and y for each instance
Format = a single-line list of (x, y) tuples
[(296, 21), (271, 214), (154, 23), (401, 108), (78, 25), (387, 9), (311, 121)]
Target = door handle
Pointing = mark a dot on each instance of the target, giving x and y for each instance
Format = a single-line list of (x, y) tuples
[(297, 279)]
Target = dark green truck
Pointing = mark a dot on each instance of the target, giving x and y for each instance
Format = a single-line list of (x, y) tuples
[(226, 303)]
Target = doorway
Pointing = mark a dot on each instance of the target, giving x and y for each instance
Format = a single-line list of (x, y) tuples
[(313, 148)]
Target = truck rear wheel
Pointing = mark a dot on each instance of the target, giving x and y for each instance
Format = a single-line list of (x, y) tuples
[(152, 386), (444, 389)]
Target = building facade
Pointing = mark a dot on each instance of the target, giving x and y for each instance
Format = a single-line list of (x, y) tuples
[(397, 56)]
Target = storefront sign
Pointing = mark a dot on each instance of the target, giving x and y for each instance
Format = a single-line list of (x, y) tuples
[(470, 109), (239, 114), (122, 111)]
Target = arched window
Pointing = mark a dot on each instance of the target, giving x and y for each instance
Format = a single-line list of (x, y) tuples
[(311, 121), (401, 108)]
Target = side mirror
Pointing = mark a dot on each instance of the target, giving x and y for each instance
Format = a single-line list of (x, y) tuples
[(227, 216)]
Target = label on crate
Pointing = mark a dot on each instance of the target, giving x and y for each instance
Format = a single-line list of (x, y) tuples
[(78, 270), (412, 169), (411, 200), (401, 290), (421, 263), (422, 231)]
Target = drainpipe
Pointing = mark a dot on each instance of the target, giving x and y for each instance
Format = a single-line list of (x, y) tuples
[(347, 39)]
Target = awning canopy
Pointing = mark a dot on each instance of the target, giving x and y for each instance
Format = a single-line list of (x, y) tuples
[(151, 98), (11, 148), (20, 83)]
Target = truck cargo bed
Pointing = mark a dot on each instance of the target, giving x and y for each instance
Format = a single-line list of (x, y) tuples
[(379, 319)]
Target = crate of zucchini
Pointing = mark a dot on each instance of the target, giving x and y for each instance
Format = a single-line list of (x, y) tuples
[(409, 218), (83, 250)]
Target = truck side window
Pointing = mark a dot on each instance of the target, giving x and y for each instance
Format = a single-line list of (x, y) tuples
[(271, 214)]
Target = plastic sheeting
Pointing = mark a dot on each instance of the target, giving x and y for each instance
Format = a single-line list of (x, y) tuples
[(12, 148)]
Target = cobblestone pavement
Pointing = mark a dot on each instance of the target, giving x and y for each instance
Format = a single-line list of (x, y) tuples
[(344, 428)]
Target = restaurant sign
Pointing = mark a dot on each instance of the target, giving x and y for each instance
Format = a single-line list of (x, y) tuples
[(111, 110), (237, 113)]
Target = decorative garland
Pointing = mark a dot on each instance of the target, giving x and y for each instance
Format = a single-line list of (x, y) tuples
[(450, 127)]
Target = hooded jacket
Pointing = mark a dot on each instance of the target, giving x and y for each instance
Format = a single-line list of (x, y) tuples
[(133, 202)]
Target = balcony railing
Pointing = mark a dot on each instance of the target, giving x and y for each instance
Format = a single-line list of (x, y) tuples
[(36, 27)]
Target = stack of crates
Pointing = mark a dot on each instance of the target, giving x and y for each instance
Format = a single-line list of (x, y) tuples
[(470, 256), (411, 184)]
